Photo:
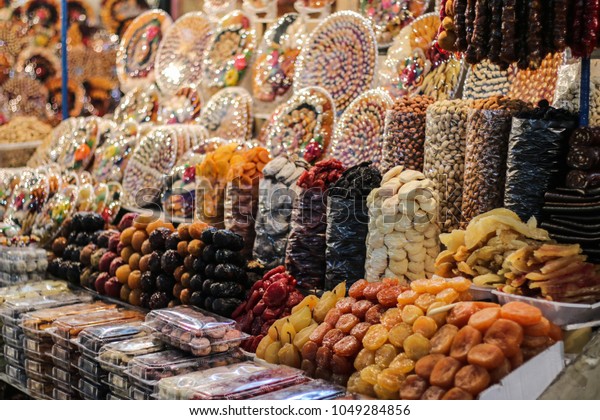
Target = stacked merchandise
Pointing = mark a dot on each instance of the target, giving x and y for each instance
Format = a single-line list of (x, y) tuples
[(18, 265)]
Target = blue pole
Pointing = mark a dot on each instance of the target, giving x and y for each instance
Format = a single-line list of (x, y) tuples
[(584, 93), (64, 25)]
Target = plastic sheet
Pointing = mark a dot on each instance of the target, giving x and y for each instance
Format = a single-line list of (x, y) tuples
[(444, 162), (276, 196), (347, 225), (568, 89), (535, 159)]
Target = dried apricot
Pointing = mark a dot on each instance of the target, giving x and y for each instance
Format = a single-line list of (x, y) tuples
[(516, 360), (399, 333), (407, 297), (346, 322), (438, 316), (457, 394), (389, 297), (319, 332), (540, 329), (535, 342), (441, 342), (375, 337), (413, 387), (521, 313), (467, 338), (364, 358), (323, 357), (460, 284), (360, 308), (345, 304), (332, 337), (460, 314), (444, 371), (347, 347), (370, 292), (410, 313), (529, 353), (424, 301), (425, 325), (360, 330), (482, 320), (500, 372), (435, 285), (402, 365), (472, 378), (391, 318), (384, 355), (309, 351), (374, 314), (425, 365), (506, 334), (332, 316), (417, 346), (357, 289), (433, 393), (341, 365), (485, 355), (370, 373), (555, 332), (389, 380), (447, 296)]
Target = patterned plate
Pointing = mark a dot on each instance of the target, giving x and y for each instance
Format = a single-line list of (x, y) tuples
[(359, 132), (27, 200), (180, 55), (339, 56), (183, 107), (390, 16), (303, 125), (273, 70), (228, 114), (228, 56), (139, 105), (118, 14), (81, 144), (56, 210), (38, 63), (137, 52), (111, 159)]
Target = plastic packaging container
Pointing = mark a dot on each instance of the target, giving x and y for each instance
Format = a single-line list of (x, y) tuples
[(16, 374), (239, 381), (15, 356), (313, 390), (42, 288), (26, 260), (139, 394), (64, 358), (91, 391), (118, 384), (92, 339), (90, 369), (114, 397), (12, 310), (194, 330), (37, 350), (39, 389), (37, 370), (557, 312), (69, 387), (12, 334), (58, 394), (114, 357)]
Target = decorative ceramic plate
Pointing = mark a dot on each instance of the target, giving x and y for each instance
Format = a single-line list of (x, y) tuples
[(415, 66), (56, 210), (273, 71), (27, 200), (228, 56), (180, 55), (81, 145), (390, 16), (140, 105), (339, 56), (111, 159), (154, 157), (228, 114), (181, 108), (359, 132), (117, 14), (303, 125), (75, 99), (137, 51), (38, 63)]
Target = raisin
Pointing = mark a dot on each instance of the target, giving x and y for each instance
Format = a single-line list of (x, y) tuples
[(413, 387), (360, 330), (323, 357), (467, 338), (402, 365), (332, 337), (384, 355), (319, 332), (357, 289), (363, 359), (360, 308), (370, 292), (332, 316), (389, 380), (391, 318), (370, 373), (373, 315), (345, 304), (309, 351)]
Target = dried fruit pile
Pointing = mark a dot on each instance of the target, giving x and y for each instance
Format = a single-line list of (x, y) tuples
[(269, 299)]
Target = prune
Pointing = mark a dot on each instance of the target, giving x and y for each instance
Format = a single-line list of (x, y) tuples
[(227, 239), (227, 256), (376, 337), (346, 322), (72, 238), (341, 365), (208, 254), (230, 272), (360, 330), (170, 260), (389, 380), (472, 378), (172, 241), (364, 358), (373, 315), (410, 313), (209, 271), (413, 387), (308, 366), (74, 272), (370, 292), (425, 365), (147, 282), (154, 262), (433, 393), (391, 318), (208, 234), (457, 394), (331, 337), (384, 355), (164, 283), (198, 266), (467, 338), (83, 239), (309, 350), (444, 371), (323, 357), (347, 347), (425, 325), (441, 342), (506, 334), (103, 239), (399, 333), (226, 289), (345, 304), (356, 291), (197, 299), (521, 313), (158, 300), (145, 299), (388, 297), (158, 238), (482, 320), (332, 316), (517, 360), (540, 329), (416, 346), (318, 334), (370, 373), (360, 308), (225, 306), (486, 355)]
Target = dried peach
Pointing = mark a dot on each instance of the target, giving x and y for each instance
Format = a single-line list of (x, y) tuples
[(472, 378), (444, 371), (375, 337), (467, 338), (360, 308), (413, 387), (399, 333), (391, 318), (425, 325), (370, 292), (364, 358), (323, 357), (410, 313), (345, 304), (486, 355), (357, 289), (318, 334), (331, 337), (373, 315), (425, 365), (332, 316), (433, 393), (407, 297), (500, 372), (370, 373), (540, 329), (360, 330), (417, 346), (384, 355), (521, 313), (402, 365), (482, 320), (506, 334), (347, 347), (346, 322), (441, 342), (309, 351), (457, 394)]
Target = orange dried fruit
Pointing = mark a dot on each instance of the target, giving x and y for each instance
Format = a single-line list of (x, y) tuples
[(457, 394), (441, 342), (486, 355), (417, 346), (540, 329), (506, 334), (521, 313), (444, 371), (425, 365), (467, 338), (407, 297), (484, 319), (433, 393), (472, 378), (413, 387), (425, 325)]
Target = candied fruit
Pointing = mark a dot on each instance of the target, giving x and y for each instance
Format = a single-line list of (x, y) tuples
[(419, 286), (360, 330), (435, 285), (417, 346), (402, 365), (376, 337), (410, 313), (346, 322), (364, 358), (407, 297), (384, 355), (424, 301), (389, 380), (399, 333), (347, 346), (370, 292), (332, 337), (460, 284), (357, 289), (332, 316), (323, 358), (391, 318), (447, 296)]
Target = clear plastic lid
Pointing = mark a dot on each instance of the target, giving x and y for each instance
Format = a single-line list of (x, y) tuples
[(22, 290), (118, 384), (37, 350), (12, 309), (114, 397), (90, 369), (14, 355), (312, 390), (12, 333), (92, 339), (70, 386), (239, 381), (114, 357), (58, 394), (39, 389), (63, 357), (90, 390), (63, 375), (35, 323), (16, 374), (38, 370), (139, 394)]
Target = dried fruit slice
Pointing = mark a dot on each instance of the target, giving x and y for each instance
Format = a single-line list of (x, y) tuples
[(486, 355), (522, 313), (472, 378), (506, 334), (444, 371), (467, 338)]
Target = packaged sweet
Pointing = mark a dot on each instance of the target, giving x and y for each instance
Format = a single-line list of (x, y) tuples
[(11, 310), (37, 370), (92, 339), (91, 391), (312, 390), (114, 357)]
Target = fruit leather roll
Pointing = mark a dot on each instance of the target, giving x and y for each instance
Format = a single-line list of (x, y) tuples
[(582, 179), (534, 33), (478, 46), (560, 10), (495, 39), (460, 8), (585, 137), (584, 158), (508, 53)]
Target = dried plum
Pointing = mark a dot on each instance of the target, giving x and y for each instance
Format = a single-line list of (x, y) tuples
[(209, 253), (196, 282), (170, 261), (230, 272), (147, 282), (145, 299), (83, 238), (74, 272), (165, 283), (209, 271), (154, 262), (158, 238), (227, 239), (206, 286), (197, 299), (198, 265), (158, 300), (227, 256), (172, 241), (207, 235), (226, 289), (225, 306)]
